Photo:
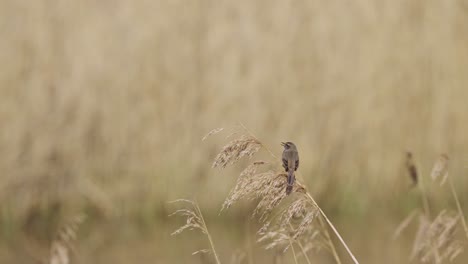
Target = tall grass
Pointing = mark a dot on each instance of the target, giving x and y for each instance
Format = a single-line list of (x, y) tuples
[(99, 84), (102, 104)]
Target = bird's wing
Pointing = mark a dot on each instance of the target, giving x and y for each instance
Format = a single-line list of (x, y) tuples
[(285, 164)]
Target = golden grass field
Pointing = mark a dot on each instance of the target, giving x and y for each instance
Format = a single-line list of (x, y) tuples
[(103, 105)]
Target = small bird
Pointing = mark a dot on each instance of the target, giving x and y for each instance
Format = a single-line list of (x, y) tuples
[(411, 168), (290, 163)]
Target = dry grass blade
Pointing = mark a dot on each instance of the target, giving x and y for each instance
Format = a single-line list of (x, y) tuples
[(201, 251), (404, 224), (235, 150), (459, 208), (62, 245), (213, 132)]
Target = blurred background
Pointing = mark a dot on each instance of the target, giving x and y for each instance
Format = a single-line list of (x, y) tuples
[(103, 105)]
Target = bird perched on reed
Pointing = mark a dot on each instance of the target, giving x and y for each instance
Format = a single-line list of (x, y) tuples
[(290, 163), (411, 168)]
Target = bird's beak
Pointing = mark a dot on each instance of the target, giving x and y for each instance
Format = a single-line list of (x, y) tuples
[(283, 144)]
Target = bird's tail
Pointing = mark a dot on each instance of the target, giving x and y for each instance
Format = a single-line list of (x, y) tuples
[(291, 179)]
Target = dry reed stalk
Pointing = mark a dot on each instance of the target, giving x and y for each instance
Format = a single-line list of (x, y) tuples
[(293, 251), (405, 223), (422, 193), (304, 252), (62, 245), (332, 245), (268, 189), (460, 211), (194, 221)]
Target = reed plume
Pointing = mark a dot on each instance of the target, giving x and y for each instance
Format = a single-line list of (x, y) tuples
[(263, 183)]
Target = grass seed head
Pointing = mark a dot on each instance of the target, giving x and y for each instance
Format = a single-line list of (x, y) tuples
[(193, 218), (235, 150)]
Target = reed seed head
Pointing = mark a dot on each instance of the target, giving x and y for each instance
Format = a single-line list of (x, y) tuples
[(441, 169), (235, 150)]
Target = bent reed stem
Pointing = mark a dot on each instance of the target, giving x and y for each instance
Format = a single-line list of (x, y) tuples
[(424, 198), (208, 234), (293, 251), (333, 228), (460, 211), (330, 242)]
